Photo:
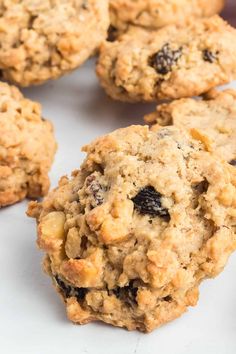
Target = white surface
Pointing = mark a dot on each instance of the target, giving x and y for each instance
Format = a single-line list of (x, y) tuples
[(32, 317)]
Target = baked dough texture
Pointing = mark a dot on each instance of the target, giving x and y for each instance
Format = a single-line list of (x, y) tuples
[(154, 14), (27, 147), (212, 119), (42, 40), (131, 235), (170, 63)]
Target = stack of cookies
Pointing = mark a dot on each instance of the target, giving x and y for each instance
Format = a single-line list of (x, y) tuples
[(151, 212)]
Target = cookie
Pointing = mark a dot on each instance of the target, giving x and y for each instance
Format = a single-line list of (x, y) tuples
[(131, 235), (211, 119), (173, 62), (42, 40), (27, 147), (154, 14)]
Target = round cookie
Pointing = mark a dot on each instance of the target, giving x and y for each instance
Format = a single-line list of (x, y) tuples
[(211, 119), (154, 14), (27, 147), (42, 40), (131, 235), (174, 62)]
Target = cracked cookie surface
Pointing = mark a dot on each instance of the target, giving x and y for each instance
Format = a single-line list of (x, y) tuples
[(159, 13), (211, 119), (173, 62), (42, 40), (130, 236), (27, 147)]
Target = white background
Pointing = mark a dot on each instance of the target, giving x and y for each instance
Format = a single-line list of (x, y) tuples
[(32, 316)]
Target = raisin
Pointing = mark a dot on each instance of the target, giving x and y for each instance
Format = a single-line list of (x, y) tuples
[(232, 162), (202, 187), (80, 293), (167, 298), (127, 294), (112, 34), (96, 189), (148, 201), (209, 56), (133, 292), (70, 291), (165, 59), (117, 292), (66, 289)]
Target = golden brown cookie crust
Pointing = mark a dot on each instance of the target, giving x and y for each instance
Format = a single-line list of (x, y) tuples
[(27, 147), (130, 236), (211, 119), (42, 40), (154, 14), (174, 62)]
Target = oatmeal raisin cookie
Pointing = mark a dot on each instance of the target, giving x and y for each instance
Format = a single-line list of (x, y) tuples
[(129, 238)]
